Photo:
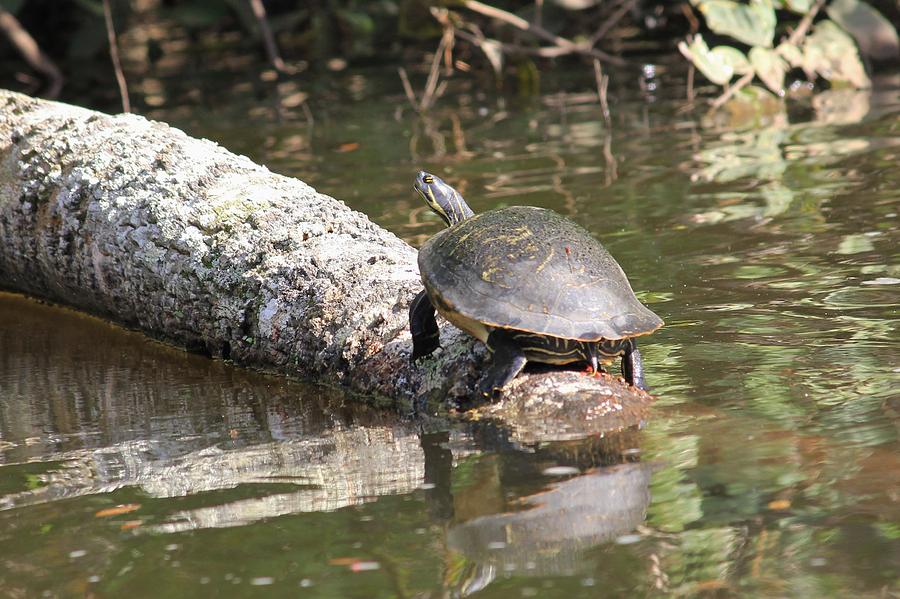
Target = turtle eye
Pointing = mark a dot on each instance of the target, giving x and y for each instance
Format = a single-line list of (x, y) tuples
[(427, 179)]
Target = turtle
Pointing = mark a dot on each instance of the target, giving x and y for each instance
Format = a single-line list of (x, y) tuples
[(527, 282)]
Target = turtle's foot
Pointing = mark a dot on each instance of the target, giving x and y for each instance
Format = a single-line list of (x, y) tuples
[(594, 372), (487, 391)]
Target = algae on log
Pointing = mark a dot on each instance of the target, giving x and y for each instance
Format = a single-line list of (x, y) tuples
[(136, 221)]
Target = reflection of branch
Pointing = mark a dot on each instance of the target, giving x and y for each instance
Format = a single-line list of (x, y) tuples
[(114, 56), (31, 52), (407, 88), (564, 45), (611, 21), (259, 11), (795, 38)]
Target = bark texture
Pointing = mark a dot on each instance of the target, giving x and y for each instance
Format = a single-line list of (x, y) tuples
[(136, 221)]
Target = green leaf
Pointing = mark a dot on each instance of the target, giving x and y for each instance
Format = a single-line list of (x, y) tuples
[(753, 23), (713, 66), (874, 34), (769, 67), (734, 58), (791, 53), (493, 51), (798, 6), (831, 53)]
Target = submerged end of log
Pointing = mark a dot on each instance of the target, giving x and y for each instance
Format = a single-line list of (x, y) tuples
[(137, 222)]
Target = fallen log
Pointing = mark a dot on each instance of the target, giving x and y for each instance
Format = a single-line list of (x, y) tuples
[(139, 223)]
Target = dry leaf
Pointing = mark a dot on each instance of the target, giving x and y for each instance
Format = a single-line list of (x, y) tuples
[(118, 510)]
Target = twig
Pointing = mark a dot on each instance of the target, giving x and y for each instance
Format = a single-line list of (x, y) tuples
[(738, 86), (407, 88), (798, 34), (602, 85), (691, 17), (114, 56), (434, 74), (519, 23), (259, 11), (692, 70), (31, 52), (612, 165), (611, 21)]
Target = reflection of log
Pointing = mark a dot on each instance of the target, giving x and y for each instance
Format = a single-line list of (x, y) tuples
[(332, 470), (562, 523), (175, 236)]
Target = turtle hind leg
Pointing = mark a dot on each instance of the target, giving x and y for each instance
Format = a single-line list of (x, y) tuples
[(423, 326), (633, 366), (508, 361)]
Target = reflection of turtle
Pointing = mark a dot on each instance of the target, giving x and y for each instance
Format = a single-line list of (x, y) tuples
[(530, 284)]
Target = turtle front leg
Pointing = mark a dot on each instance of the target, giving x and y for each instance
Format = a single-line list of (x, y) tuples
[(508, 361), (633, 366), (423, 326)]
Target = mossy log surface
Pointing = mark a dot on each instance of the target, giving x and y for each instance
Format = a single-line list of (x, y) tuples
[(137, 222)]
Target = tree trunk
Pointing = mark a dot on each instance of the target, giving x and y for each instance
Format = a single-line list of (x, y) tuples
[(135, 221)]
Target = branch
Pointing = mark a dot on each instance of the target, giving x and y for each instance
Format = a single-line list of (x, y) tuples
[(259, 11), (805, 23), (738, 86), (611, 21), (31, 52), (565, 45), (114, 56)]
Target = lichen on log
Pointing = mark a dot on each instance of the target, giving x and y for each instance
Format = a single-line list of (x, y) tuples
[(137, 222)]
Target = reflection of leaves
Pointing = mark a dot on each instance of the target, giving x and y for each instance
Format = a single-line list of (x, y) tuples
[(757, 154), (856, 243), (701, 565), (874, 34), (778, 199), (842, 106), (676, 502), (753, 23), (831, 53)]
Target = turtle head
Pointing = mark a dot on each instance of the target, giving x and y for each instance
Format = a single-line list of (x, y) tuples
[(442, 198)]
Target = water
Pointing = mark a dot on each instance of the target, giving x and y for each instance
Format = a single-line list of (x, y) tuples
[(770, 465)]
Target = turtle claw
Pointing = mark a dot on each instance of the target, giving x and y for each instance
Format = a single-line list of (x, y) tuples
[(591, 371)]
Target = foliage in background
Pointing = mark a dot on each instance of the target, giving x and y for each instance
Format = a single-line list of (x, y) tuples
[(509, 40), (829, 48)]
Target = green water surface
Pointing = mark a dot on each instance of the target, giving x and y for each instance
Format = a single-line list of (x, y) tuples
[(770, 465)]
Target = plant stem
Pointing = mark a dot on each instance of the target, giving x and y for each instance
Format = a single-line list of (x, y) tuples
[(114, 56), (568, 46)]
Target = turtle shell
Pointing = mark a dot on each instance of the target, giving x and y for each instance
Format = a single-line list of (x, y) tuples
[(531, 269)]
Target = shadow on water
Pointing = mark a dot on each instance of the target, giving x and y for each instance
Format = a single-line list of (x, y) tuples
[(769, 466)]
